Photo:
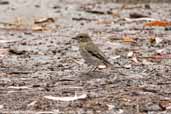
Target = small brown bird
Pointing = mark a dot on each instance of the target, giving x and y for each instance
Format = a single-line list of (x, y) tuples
[(91, 53)]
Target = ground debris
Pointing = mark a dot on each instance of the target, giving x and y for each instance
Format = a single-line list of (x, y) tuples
[(41, 70)]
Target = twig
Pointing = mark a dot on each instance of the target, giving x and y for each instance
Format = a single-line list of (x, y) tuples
[(83, 19)]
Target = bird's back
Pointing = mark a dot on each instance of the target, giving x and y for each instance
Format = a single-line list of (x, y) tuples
[(92, 54)]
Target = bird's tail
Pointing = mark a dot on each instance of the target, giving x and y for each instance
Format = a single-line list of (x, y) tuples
[(107, 63)]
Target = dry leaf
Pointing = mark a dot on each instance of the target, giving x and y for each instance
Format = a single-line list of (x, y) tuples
[(130, 54), (43, 24), (18, 22), (110, 107), (124, 6), (39, 28), (162, 56), (83, 19), (95, 11), (135, 59), (158, 57), (19, 87), (83, 96), (102, 66), (137, 15), (3, 53), (138, 19), (165, 104), (154, 40), (115, 14), (128, 39), (158, 23), (116, 57), (159, 51), (145, 62), (44, 20), (127, 66), (104, 21), (1, 106), (158, 40), (32, 103)]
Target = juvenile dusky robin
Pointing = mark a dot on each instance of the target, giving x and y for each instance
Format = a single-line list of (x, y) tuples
[(91, 53)]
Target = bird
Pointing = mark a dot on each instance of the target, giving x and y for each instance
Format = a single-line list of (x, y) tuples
[(91, 53)]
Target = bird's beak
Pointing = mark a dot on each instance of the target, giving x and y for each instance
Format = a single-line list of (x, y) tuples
[(75, 38)]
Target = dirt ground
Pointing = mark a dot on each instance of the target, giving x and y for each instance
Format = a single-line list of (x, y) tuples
[(42, 72)]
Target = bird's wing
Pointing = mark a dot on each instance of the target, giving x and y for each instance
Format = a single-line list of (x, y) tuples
[(96, 52)]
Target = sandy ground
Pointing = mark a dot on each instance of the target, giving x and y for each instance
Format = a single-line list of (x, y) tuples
[(43, 72)]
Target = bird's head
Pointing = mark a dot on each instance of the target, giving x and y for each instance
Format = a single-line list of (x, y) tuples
[(82, 37)]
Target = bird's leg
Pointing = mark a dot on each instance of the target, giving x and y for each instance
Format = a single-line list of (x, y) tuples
[(92, 69)]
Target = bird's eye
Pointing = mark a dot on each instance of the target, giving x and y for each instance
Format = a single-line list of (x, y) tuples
[(81, 36)]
